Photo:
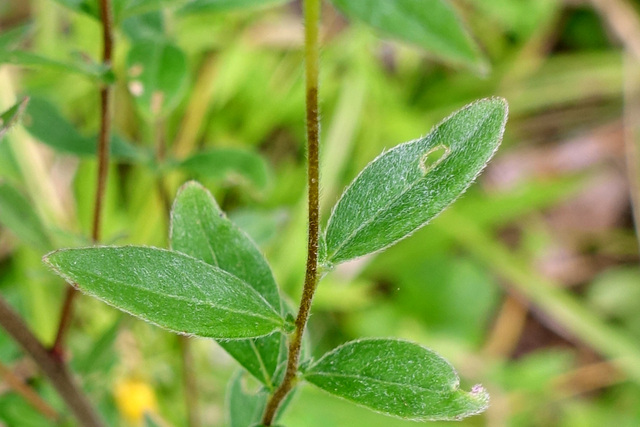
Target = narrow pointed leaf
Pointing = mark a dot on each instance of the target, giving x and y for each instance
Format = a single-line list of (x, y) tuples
[(200, 229), (396, 378), (229, 164), (406, 187), (11, 116), (170, 289), (158, 76), (430, 24), (200, 6)]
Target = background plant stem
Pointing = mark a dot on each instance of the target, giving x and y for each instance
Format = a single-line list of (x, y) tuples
[(52, 367), (104, 138), (312, 62)]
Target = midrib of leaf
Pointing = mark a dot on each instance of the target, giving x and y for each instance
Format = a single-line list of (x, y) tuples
[(379, 381), (409, 187), (180, 298)]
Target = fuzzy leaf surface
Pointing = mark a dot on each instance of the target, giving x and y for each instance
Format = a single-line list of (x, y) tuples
[(169, 289), (200, 229), (430, 24), (407, 186), (396, 378), (229, 164), (158, 76)]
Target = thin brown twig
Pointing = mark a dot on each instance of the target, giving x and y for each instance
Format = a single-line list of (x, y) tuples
[(52, 367), (312, 57), (27, 393), (104, 139)]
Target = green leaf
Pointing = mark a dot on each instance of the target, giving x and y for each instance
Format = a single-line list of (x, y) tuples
[(47, 125), (200, 229), (12, 116), (10, 38), (430, 24), (396, 378), (157, 77), (34, 60), (406, 187), (17, 215), (231, 164), (244, 406), (169, 289), (200, 6)]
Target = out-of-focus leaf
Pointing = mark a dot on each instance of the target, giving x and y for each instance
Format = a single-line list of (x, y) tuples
[(10, 38), (34, 60), (200, 229), (396, 378), (406, 187), (244, 407), (18, 215), (147, 26), (169, 289), (430, 24), (199, 6), (101, 355), (46, 124), (261, 226), (231, 164), (12, 116), (157, 77)]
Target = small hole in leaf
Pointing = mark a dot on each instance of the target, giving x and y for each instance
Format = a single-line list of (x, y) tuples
[(433, 158)]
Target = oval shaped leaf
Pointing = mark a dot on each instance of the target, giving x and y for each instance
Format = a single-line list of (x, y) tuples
[(406, 187), (158, 75), (245, 406), (169, 289), (229, 164), (430, 24), (200, 229), (396, 378)]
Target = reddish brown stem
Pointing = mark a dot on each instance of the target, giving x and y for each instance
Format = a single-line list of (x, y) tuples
[(52, 367), (312, 15), (104, 138)]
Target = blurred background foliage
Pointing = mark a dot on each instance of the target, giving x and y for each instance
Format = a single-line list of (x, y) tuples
[(552, 211)]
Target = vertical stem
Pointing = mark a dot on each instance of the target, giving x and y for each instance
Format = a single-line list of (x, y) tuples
[(312, 61), (190, 382), (104, 138)]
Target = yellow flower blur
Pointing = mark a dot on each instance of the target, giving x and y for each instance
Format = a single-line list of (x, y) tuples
[(134, 398)]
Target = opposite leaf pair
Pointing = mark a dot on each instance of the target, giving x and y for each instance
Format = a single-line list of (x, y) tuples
[(215, 282)]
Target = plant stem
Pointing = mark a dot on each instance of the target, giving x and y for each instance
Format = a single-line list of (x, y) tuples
[(312, 60), (104, 139), (27, 393), (53, 367)]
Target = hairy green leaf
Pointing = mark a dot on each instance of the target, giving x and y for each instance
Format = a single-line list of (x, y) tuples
[(200, 229), (170, 289), (48, 126), (231, 164), (199, 6), (406, 187), (12, 116), (157, 77), (18, 215), (396, 378), (430, 24)]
